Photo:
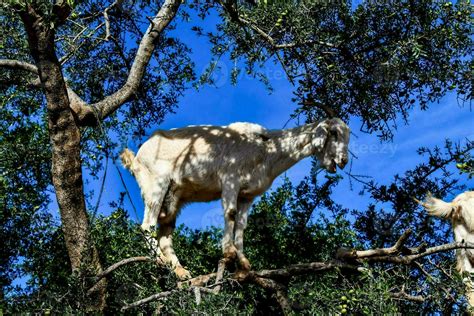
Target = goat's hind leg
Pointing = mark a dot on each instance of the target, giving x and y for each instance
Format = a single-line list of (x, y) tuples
[(170, 207), (165, 239), (153, 191)]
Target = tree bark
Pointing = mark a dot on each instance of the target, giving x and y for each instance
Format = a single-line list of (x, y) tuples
[(65, 137), (67, 112)]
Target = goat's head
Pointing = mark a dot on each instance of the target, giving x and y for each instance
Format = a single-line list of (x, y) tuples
[(336, 142)]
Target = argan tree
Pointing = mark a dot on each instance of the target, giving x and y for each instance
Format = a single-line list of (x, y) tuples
[(91, 69)]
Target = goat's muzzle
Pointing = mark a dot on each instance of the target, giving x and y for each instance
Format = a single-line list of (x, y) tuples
[(343, 162)]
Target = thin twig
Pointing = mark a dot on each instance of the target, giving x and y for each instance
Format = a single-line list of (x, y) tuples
[(234, 15), (148, 299)]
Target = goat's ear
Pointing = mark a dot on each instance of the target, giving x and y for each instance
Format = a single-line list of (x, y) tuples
[(321, 132)]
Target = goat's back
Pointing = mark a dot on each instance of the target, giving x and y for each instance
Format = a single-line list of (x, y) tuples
[(209, 147)]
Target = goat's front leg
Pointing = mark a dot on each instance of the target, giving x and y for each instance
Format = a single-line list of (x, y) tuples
[(229, 202), (240, 225), (165, 239)]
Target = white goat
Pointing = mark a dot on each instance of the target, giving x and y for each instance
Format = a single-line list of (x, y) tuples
[(236, 163), (461, 213)]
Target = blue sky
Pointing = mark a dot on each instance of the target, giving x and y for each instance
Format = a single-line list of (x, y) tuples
[(250, 101)]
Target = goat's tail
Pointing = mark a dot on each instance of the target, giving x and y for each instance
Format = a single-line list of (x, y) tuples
[(437, 207), (127, 156)]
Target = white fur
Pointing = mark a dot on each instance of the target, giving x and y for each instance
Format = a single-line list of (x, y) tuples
[(236, 163), (461, 214), (249, 128)]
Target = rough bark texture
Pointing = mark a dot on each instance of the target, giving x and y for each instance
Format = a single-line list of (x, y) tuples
[(65, 139), (67, 112)]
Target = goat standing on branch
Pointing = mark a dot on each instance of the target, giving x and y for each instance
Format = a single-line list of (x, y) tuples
[(461, 213), (236, 163)]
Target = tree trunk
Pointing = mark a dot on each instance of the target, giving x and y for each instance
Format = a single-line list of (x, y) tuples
[(65, 137)]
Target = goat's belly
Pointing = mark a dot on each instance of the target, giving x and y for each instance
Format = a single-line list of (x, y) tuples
[(251, 193), (200, 195), (199, 191), (254, 189)]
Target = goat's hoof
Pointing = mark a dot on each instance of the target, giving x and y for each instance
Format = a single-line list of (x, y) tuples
[(240, 275), (244, 264), (182, 273)]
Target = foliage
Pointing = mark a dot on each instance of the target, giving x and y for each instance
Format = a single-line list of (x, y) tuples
[(24, 180), (395, 209), (288, 225), (375, 61)]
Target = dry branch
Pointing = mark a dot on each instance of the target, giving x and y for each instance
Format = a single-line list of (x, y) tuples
[(402, 295), (395, 254), (364, 254), (271, 279)]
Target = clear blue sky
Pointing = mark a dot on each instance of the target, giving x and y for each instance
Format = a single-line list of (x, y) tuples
[(250, 101)]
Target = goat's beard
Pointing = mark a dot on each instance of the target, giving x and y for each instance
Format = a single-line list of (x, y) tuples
[(326, 163)]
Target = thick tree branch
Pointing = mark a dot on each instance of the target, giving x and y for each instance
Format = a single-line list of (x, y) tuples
[(82, 111), (90, 115), (111, 103), (303, 268), (271, 279), (278, 289), (106, 17), (19, 65), (65, 140)]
